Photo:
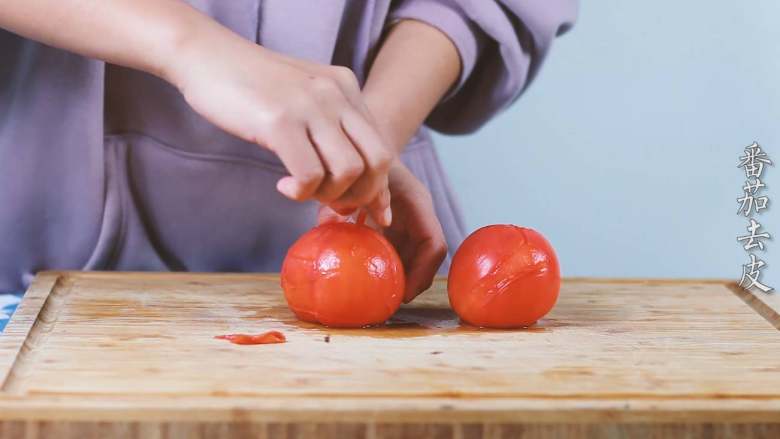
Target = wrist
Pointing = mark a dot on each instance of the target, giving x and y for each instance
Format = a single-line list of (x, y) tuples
[(179, 49), (194, 42), (394, 130)]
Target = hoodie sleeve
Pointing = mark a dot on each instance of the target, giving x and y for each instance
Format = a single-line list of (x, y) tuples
[(502, 44)]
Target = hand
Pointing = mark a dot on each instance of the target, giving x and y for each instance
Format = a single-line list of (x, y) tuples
[(312, 116), (415, 231)]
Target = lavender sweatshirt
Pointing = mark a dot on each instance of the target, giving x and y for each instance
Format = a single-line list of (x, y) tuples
[(107, 168)]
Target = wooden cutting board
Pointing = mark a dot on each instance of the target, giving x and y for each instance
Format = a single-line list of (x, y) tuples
[(134, 355)]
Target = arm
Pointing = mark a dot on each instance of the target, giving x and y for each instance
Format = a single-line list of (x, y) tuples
[(493, 49), (416, 65), (310, 115), (141, 34), (501, 43), (414, 68)]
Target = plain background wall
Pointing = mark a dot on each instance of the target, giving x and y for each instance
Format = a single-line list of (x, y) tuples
[(624, 150)]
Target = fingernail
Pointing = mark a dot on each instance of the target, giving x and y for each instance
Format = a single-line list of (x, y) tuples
[(388, 216)]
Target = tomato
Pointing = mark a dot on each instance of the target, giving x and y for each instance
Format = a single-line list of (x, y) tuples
[(503, 276), (343, 275)]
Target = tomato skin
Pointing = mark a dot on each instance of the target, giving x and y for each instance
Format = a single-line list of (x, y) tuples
[(270, 337), (503, 276), (343, 275)]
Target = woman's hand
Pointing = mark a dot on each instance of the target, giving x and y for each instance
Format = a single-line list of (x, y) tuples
[(415, 66), (312, 116), (415, 231)]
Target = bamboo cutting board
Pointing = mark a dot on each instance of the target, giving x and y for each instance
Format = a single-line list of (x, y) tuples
[(134, 355)]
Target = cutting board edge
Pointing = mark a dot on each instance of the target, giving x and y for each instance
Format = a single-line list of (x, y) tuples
[(24, 319), (398, 410), (767, 305)]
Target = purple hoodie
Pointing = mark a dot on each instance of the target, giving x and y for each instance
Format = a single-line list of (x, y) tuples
[(107, 168)]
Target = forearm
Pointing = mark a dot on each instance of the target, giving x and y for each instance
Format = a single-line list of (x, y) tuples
[(141, 34), (415, 67)]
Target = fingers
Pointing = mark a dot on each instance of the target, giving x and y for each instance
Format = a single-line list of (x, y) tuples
[(342, 162), (335, 154), (379, 209), (294, 149), (424, 265), (377, 156), (426, 247), (327, 164), (377, 159), (352, 179), (327, 215)]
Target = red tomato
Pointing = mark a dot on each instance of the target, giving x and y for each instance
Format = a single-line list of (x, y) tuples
[(503, 276), (343, 275)]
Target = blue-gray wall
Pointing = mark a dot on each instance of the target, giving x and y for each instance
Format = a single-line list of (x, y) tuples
[(624, 151)]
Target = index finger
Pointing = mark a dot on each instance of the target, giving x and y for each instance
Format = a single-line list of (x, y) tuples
[(299, 156)]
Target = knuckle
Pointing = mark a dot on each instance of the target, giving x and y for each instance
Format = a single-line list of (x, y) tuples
[(324, 85), (281, 118), (363, 198), (352, 171), (345, 75), (311, 177), (361, 193), (348, 172), (382, 160)]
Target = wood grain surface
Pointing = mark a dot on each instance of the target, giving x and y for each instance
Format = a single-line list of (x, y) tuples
[(133, 355)]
